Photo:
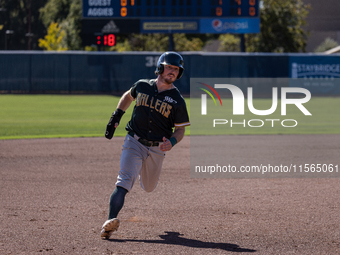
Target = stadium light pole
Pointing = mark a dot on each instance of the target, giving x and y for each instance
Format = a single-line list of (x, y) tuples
[(7, 36), (29, 34), (242, 43), (171, 39), (171, 42), (2, 20)]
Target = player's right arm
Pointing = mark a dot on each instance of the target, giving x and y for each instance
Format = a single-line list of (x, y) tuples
[(125, 101), (123, 104)]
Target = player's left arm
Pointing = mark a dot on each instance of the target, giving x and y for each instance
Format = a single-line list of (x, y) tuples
[(181, 121), (176, 137), (178, 133)]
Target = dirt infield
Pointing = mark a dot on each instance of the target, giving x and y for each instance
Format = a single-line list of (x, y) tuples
[(55, 193)]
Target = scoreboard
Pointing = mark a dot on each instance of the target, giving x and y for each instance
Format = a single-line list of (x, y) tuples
[(104, 18), (169, 8)]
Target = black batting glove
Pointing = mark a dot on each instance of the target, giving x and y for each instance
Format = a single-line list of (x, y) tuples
[(115, 118)]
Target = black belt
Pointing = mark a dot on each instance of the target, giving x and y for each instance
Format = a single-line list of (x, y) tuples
[(143, 141)]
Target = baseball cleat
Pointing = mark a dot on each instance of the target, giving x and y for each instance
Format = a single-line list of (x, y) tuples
[(109, 227)]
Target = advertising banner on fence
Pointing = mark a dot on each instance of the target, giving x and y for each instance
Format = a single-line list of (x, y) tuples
[(319, 74)]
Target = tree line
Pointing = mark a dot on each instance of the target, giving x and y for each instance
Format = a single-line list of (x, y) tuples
[(56, 25)]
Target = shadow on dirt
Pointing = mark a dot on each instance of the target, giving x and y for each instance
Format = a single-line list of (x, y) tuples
[(176, 239)]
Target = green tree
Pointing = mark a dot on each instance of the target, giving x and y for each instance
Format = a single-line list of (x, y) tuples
[(229, 43), (157, 42), (54, 38), (68, 14), (281, 25), (183, 43), (148, 42)]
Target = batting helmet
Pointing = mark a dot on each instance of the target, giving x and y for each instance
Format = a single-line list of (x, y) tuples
[(170, 58)]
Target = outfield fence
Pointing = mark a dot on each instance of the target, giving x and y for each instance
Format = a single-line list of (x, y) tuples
[(73, 72)]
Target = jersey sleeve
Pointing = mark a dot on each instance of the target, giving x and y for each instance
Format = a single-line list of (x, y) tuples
[(182, 116), (133, 90)]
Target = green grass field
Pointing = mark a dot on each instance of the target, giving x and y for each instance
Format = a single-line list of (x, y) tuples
[(37, 116), (47, 116)]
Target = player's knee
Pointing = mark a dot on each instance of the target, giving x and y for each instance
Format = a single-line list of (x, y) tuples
[(148, 188)]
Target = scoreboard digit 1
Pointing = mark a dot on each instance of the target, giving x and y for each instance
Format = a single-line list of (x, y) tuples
[(106, 40)]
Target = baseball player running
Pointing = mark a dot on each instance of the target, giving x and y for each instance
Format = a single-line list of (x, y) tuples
[(159, 108)]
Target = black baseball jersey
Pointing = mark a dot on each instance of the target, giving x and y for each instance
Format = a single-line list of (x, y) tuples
[(156, 113)]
